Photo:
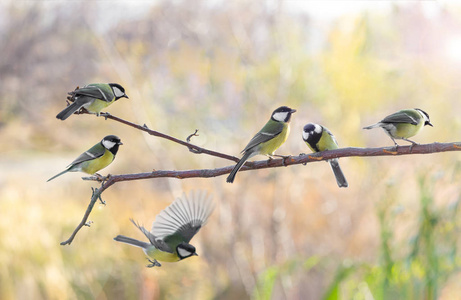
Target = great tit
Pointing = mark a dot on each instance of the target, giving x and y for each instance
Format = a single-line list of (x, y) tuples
[(93, 97), (403, 124), (173, 229), (96, 158), (268, 139), (319, 139)]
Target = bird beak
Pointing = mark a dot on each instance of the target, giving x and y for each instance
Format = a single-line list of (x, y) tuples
[(430, 124), (120, 143), (195, 254), (293, 110), (126, 96)]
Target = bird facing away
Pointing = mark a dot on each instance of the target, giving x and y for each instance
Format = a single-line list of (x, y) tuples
[(96, 158), (173, 229), (403, 124), (268, 139), (319, 139), (93, 97)]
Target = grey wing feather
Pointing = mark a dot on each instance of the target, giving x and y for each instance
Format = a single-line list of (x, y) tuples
[(262, 137), (155, 241), (399, 117), (92, 153), (91, 91), (185, 216)]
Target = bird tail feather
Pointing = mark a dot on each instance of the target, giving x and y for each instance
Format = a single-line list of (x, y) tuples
[(131, 241), (68, 111), (237, 167), (340, 178), (59, 174), (373, 126)]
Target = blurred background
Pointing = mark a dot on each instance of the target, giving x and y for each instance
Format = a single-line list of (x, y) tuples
[(222, 67)]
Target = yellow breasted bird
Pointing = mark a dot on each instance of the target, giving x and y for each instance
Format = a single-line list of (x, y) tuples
[(173, 229), (319, 138), (403, 124), (96, 158), (268, 139), (93, 97)]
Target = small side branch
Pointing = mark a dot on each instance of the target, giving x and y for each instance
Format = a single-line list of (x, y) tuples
[(188, 140), (94, 197)]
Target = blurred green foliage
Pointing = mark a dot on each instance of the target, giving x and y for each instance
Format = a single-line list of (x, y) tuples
[(223, 67), (418, 268)]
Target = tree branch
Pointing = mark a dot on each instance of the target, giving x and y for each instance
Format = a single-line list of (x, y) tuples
[(193, 148), (290, 160), (94, 197), (262, 164)]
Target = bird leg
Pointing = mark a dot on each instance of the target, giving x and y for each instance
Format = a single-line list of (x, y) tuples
[(396, 146), (99, 177), (153, 263), (412, 143), (281, 156), (104, 114), (103, 179), (395, 143)]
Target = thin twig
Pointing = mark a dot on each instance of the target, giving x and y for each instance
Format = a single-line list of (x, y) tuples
[(191, 135), (188, 140)]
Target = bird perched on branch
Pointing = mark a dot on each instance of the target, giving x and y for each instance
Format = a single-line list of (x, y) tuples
[(96, 158), (93, 97), (173, 229), (319, 138), (403, 124), (268, 139)]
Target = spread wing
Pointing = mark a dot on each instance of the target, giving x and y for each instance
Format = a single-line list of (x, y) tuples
[(96, 151), (268, 132), (400, 117), (180, 221), (93, 91)]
